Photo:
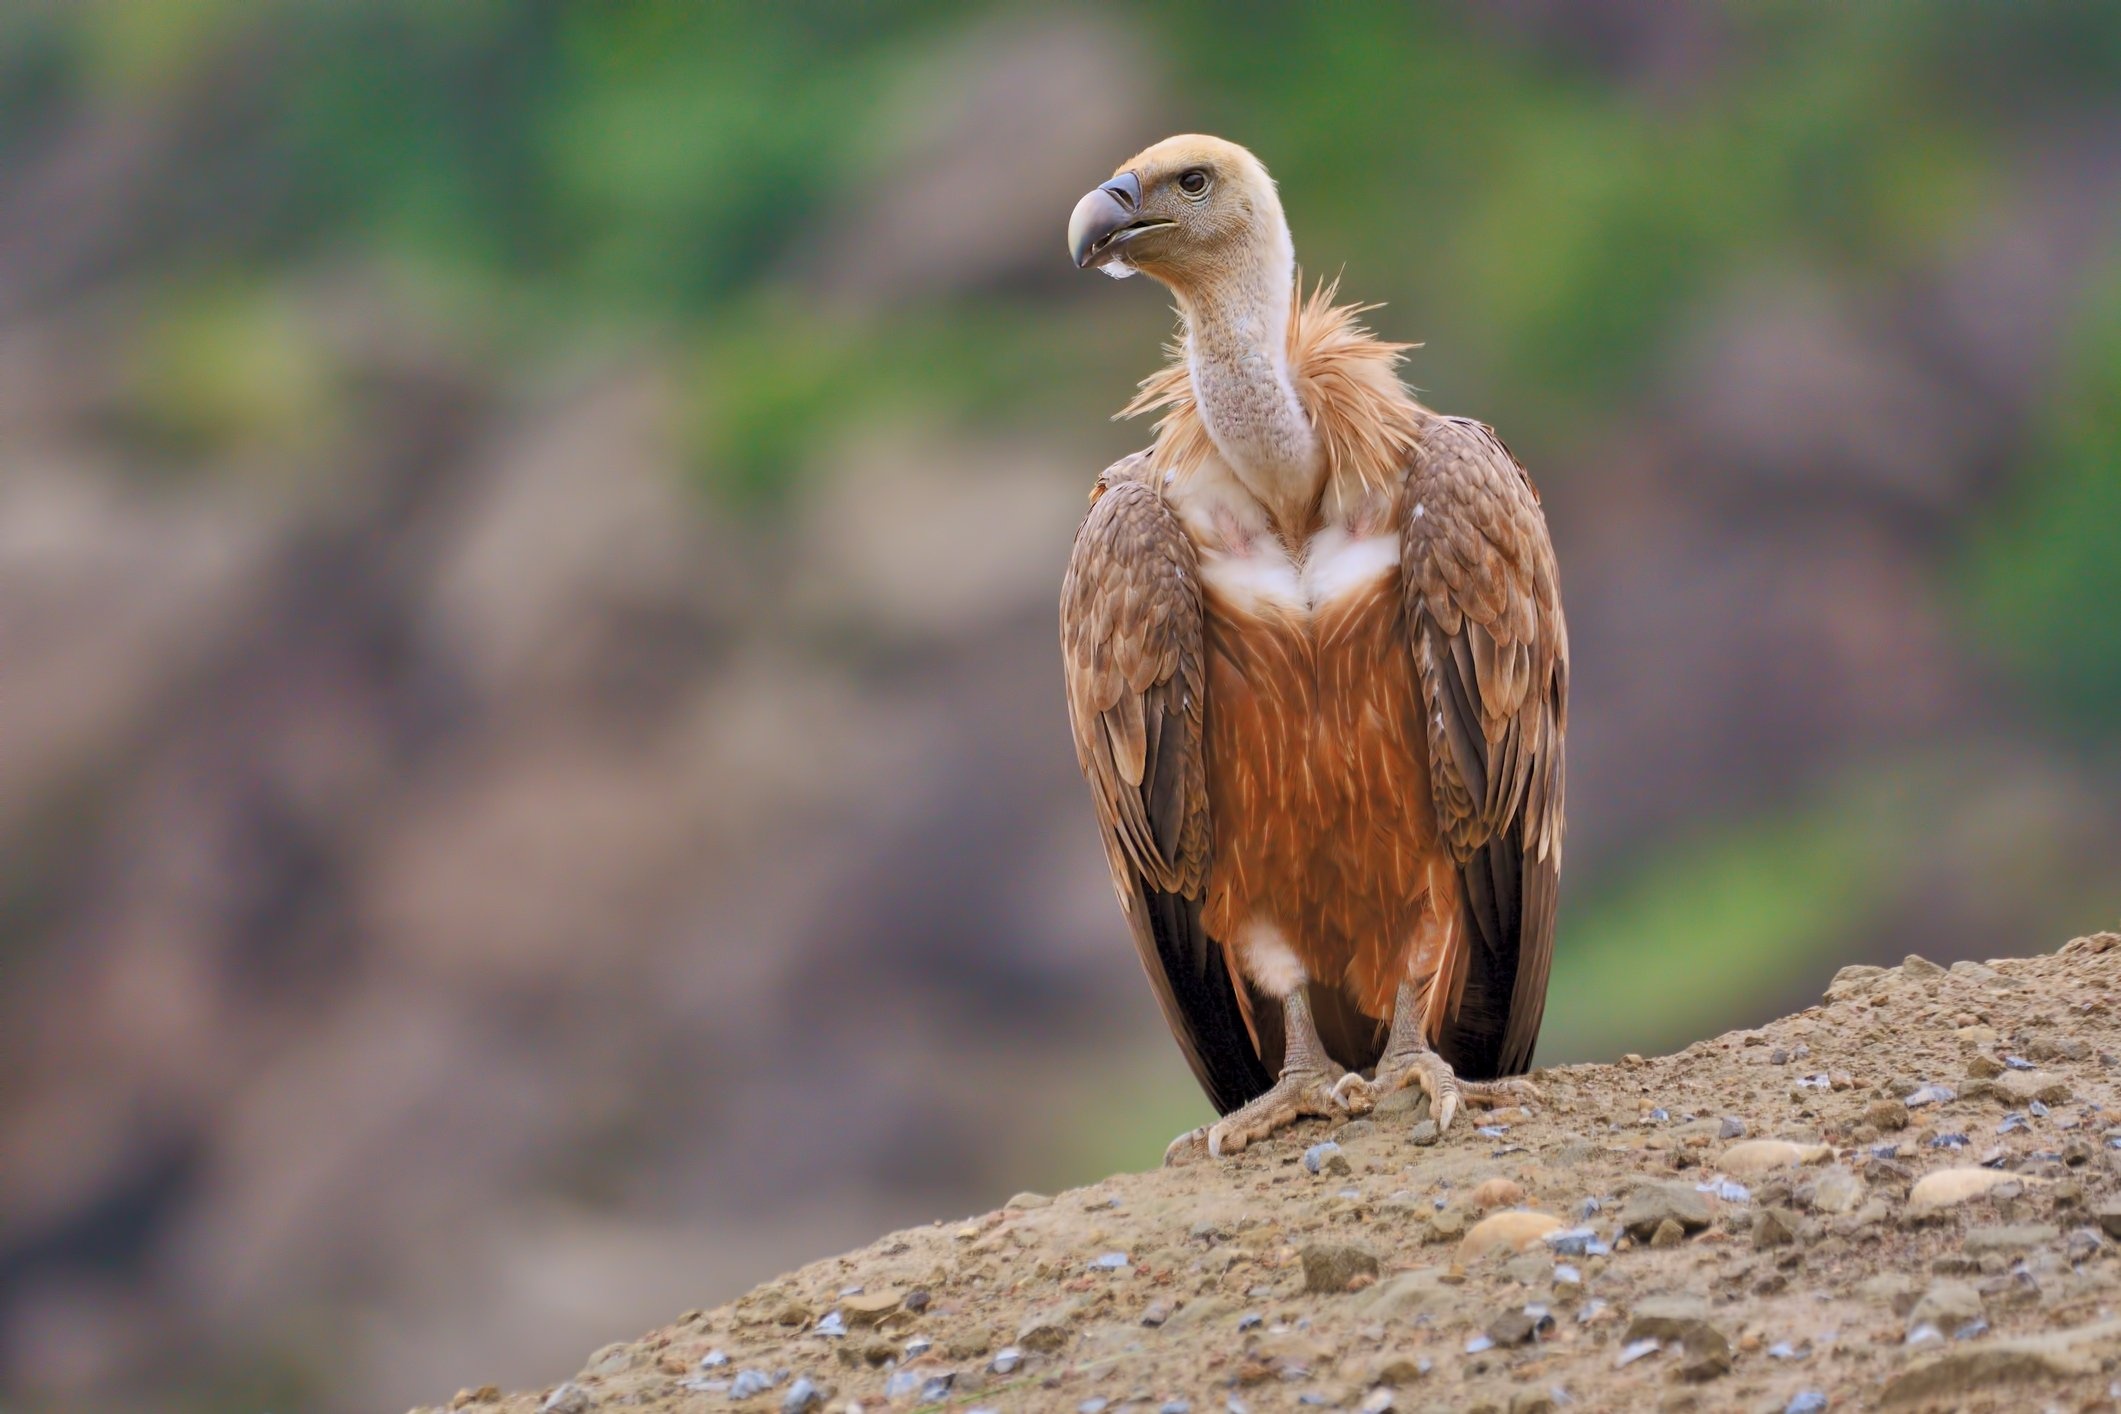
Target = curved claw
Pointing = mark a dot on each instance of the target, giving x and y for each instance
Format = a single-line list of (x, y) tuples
[(1188, 1148), (1297, 1095), (1355, 1095)]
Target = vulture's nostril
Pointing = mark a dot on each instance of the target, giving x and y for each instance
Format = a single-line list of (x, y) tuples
[(1127, 189)]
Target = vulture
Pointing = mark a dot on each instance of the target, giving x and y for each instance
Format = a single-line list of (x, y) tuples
[(1317, 675)]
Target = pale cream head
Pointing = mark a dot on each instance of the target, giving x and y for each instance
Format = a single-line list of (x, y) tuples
[(1192, 210)]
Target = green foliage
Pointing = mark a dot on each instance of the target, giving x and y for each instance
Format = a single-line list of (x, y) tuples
[(235, 367), (1711, 927), (2047, 579)]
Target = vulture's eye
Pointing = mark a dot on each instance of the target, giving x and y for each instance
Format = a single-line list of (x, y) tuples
[(1193, 183)]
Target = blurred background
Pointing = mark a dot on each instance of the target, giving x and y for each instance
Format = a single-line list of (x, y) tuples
[(533, 784)]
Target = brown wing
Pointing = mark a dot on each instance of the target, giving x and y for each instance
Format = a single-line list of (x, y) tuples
[(1484, 616), (1131, 648)]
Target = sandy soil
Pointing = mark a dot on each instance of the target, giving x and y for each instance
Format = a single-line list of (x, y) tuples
[(1938, 1232)]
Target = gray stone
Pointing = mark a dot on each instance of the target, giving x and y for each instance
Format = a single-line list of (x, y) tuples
[(1897, 1290), (1667, 1318), (1425, 1133), (1406, 1295), (1915, 965), (1326, 1158), (1518, 1326), (569, 1398), (1652, 1204), (2017, 1237), (1836, 1190), (1048, 1330), (1947, 1305), (1777, 1227), (1529, 1269), (1853, 981), (1683, 1320), (1334, 1267), (1947, 1376)]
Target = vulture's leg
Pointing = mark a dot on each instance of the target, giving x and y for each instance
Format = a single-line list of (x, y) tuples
[(1407, 1060), (1305, 1090)]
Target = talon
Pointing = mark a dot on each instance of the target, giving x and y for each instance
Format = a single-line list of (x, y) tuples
[(1187, 1148), (1354, 1094), (1299, 1094)]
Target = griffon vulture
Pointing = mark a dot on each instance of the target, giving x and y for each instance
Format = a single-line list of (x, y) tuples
[(1318, 680)]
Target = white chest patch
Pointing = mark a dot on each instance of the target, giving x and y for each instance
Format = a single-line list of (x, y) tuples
[(1261, 576)]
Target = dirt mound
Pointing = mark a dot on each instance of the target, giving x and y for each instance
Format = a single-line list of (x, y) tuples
[(1905, 1197)]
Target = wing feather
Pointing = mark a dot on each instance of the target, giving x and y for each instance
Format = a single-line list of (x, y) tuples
[(1132, 650), (1484, 616)]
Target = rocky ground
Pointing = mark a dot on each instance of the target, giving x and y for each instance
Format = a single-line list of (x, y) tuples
[(1907, 1197)]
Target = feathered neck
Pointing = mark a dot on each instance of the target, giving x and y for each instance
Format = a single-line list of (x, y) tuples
[(1365, 420)]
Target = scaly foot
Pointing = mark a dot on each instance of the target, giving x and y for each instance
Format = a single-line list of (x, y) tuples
[(1399, 1069), (1299, 1094)]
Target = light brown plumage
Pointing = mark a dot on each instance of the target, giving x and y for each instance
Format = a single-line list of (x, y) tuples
[(1317, 675)]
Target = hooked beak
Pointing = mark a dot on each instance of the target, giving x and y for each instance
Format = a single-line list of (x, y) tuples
[(1106, 219)]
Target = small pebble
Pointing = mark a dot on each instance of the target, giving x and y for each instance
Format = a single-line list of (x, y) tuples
[(1806, 1401), (1110, 1262), (1566, 1275), (802, 1395), (1251, 1320), (1930, 1095), (1093, 1406), (1571, 1241), (1783, 1350), (900, 1383), (834, 1324), (1478, 1343), (1175, 1406), (1492, 1131), (1732, 1127), (1007, 1360), (2018, 1063), (750, 1382), (1948, 1141), (1326, 1158), (714, 1360), (936, 1388), (1426, 1133), (1635, 1350), (2037, 1109)]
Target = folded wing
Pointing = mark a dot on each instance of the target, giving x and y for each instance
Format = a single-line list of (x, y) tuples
[(1484, 621), (1131, 645)]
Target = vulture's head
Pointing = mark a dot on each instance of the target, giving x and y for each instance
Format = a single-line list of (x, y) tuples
[(1191, 211)]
